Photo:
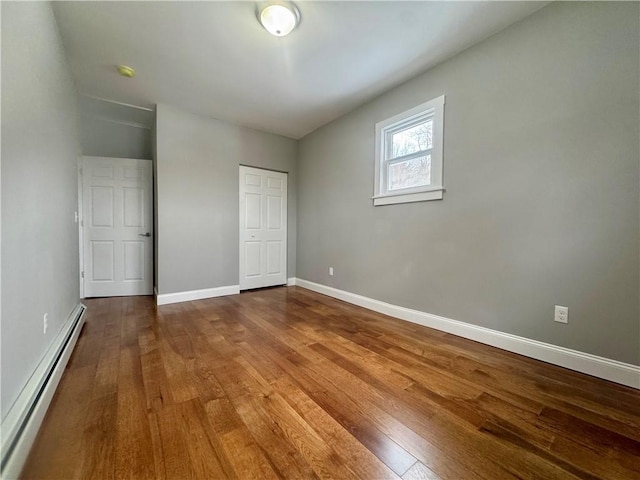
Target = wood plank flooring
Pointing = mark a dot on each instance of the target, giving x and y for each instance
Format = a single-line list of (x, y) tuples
[(287, 383)]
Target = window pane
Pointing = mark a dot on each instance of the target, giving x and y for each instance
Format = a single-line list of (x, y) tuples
[(414, 139), (410, 173)]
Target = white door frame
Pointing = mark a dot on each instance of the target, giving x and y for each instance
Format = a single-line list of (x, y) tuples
[(78, 217)]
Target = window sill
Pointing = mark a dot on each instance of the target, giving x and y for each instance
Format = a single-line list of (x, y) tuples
[(435, 194)]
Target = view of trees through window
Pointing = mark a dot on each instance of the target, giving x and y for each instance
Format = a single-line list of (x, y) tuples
[(415, 171), (413, 139)]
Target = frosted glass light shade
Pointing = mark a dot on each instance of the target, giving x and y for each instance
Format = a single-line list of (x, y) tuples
[(279, 20)]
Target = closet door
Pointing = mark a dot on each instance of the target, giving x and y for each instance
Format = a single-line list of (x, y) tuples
[(263, 228)]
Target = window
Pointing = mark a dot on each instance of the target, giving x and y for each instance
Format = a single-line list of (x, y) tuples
[(409, 155)]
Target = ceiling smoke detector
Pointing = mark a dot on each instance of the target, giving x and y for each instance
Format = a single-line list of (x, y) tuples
[(125, 71)]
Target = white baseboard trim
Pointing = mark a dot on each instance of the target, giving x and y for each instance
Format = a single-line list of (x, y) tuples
[(291, 281), (167, 298), (613, 370), (20, 426)]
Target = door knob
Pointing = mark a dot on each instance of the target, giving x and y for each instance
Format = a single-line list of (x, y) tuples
[(147, 234)]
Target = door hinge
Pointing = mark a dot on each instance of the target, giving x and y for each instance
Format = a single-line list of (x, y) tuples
[(82, 274)]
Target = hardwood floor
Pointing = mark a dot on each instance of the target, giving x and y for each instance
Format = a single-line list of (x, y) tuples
[(287, 383)]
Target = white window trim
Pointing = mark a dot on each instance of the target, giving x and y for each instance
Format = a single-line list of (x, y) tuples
[(434, 191)]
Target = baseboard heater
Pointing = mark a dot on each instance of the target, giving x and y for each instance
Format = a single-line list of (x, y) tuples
[(21, 425)]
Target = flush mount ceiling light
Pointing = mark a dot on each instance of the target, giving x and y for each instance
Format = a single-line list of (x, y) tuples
[(278, 18)]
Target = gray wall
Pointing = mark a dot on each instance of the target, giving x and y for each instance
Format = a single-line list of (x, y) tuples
[(105, 138), (40, 147), (197, 169), (542, 187)]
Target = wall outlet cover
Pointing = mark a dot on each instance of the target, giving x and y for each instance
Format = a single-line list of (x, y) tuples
[(561, 314)]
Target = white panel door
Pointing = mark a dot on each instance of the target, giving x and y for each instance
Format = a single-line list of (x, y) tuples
[(117, 226), (263, 228)]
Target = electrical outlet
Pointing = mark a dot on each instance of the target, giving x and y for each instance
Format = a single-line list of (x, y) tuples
[(561, 314), (45, 323), (331, 271)]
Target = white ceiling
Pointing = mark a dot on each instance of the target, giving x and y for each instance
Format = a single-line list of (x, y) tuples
[(214, 58)]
